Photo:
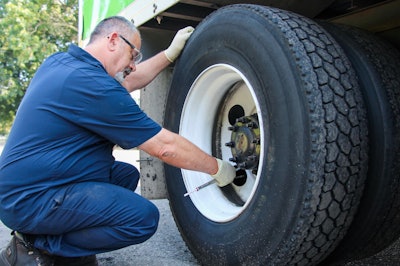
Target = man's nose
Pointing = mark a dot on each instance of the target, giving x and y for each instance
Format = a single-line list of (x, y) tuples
[(132, 65)]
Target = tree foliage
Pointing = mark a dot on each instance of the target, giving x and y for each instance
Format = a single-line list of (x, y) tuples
[(30, 31)]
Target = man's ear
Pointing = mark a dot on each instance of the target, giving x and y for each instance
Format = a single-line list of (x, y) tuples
[(112, 41)]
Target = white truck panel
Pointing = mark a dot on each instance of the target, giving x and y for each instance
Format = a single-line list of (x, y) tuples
[(141, 10)]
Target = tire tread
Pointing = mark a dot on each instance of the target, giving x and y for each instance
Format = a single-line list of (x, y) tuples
[(332, 92)]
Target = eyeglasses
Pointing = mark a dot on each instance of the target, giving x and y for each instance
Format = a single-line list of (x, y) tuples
[(139, 56)]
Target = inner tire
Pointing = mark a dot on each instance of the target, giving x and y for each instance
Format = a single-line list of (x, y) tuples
[(284, 72), (377, 65)]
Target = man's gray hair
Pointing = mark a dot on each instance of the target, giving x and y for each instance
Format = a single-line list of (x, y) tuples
[(113, 24)]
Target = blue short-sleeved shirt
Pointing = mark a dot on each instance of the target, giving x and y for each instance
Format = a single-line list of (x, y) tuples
[(71, 116)]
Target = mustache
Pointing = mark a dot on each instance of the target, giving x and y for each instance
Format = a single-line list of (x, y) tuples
[(120, 76), (127, 71)]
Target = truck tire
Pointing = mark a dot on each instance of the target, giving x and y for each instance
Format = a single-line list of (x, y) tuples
[(377, 64), (270, 91)]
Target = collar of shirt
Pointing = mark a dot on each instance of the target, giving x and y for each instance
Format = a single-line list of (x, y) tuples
[(84, 56)]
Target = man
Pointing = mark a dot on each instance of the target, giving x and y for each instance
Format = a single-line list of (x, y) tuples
[(61, 190)]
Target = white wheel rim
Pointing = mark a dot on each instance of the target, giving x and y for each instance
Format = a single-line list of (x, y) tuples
[(213, 93)]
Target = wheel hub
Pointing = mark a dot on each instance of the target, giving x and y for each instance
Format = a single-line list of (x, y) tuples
[(245, 142)]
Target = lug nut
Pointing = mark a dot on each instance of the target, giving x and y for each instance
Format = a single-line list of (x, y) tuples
[(242, 119), (234, 159), (251, 125), (230, 144)]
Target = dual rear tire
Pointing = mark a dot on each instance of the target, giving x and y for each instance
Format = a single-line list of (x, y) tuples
[(377, 65), (272, 92)]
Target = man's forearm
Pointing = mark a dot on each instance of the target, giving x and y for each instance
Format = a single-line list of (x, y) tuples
[(189, 156), (179, 152), (146, 72)]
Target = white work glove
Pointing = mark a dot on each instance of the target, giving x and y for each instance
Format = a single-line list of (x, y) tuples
[(226, 173), (177, 44)]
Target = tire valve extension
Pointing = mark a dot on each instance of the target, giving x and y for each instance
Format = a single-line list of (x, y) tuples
[(205, 185), (200, 187)]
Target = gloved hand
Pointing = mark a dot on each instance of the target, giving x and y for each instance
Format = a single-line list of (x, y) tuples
[(226, 173), (177, 44)]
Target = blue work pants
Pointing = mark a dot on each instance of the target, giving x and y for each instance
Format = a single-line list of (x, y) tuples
[(93, 217)]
